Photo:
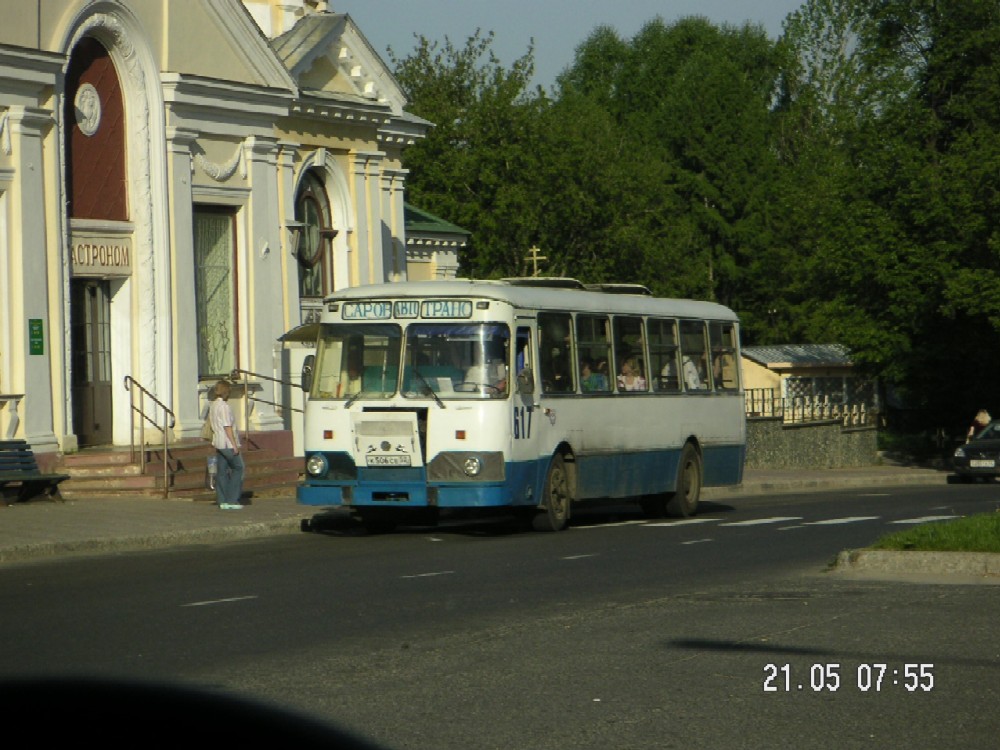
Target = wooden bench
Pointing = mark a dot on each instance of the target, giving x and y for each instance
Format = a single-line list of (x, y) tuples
[(20, 477)]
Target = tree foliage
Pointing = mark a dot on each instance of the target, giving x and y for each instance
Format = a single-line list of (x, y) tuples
[(839, 184)]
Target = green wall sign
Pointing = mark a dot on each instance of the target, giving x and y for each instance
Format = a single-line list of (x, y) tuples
[(36, 336)]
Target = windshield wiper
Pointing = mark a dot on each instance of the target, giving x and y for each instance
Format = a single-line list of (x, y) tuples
[(428, 387), (352, 399)]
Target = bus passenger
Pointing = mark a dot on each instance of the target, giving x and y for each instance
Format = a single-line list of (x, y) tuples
[(590, 380), (631, 378), (693, 379)]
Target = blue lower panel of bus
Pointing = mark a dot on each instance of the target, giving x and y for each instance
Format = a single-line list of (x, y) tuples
[(631, 474), (603, 475), (382, 492)]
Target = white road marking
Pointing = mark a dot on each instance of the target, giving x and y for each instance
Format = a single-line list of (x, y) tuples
[(219, 601), (925, 519), (431, 575), (609, 525), (697, 541), (576, 557), (835, 521), (685, 522), (761, 521)]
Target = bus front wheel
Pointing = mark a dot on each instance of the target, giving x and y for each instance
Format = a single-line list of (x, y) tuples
[(554, 512), (684, 502)]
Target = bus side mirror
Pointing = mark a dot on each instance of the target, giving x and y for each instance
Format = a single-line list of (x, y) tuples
[(526, 381), (307, 372)]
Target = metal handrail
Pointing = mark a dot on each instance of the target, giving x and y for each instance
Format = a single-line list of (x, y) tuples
[(235, 376), (141, 409)]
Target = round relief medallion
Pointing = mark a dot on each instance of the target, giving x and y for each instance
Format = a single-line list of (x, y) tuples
[(88, 109)]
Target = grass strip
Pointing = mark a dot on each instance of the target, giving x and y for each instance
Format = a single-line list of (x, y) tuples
[(978, 533)]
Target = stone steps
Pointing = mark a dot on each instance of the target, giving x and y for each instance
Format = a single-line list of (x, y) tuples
[(111, 472)]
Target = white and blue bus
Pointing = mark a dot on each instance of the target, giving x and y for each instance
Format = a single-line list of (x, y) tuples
[(529, 395)]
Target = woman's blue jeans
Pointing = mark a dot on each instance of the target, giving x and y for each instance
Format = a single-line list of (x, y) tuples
[(229, 477)]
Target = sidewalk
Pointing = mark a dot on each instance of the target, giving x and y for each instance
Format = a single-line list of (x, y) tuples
[(46, 528)]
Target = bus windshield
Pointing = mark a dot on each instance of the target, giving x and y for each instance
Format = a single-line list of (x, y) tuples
[(455, 360), (357, 360)]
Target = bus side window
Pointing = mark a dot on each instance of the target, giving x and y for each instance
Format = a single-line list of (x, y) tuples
[(725, 372), (630, 357), (694, 363), (524, 369), (555, 352), (662, 337), (593, 344)]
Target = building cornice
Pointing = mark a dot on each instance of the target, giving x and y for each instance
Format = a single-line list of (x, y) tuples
[(224, 100)]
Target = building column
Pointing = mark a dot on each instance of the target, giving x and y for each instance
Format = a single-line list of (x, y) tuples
[(32, 336), (291, 314), (394, 224), (187, 406), (265, 319), (365, 172)]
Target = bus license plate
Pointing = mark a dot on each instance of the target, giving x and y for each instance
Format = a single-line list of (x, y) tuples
[(982, 463), (388, 460)]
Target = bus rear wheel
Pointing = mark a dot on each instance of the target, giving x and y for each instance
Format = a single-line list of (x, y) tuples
[(555, 502), (684, 502)]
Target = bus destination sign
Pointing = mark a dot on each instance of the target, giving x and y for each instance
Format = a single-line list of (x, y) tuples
[(407, 309), (446, 308)]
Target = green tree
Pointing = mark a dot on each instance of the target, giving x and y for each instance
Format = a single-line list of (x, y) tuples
[(474, 165), (688, 103), (903, 256)]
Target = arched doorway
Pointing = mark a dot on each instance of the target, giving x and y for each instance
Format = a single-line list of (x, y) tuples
[(97, 207)]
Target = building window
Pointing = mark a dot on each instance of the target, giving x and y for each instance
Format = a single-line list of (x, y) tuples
[(312, 209), (215, 291)]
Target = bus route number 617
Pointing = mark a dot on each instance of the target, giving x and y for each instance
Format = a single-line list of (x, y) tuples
[(522, 423)]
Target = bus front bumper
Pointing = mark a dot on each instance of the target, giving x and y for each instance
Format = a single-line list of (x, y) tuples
[(403, 495)]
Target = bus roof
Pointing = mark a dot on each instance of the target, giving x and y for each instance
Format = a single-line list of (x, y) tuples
[(534, 293)]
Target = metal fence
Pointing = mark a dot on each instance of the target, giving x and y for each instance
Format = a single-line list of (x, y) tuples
[(768, 402)]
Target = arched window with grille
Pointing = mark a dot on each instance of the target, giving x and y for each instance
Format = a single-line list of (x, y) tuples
[(312, 209)]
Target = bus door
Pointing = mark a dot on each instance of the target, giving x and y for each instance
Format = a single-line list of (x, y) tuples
[(524, 464)]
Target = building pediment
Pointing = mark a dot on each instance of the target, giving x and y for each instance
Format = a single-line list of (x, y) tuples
[(328, 57)]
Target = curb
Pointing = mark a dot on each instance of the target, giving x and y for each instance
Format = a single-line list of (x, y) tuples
[(139, 542), (762, 486), (981, 566)]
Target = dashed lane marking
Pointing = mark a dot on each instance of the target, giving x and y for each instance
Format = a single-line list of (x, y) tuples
[(835, 521), (431, 575), (684, 522), (762, 521), (609, 525), (924, 519), (220, 601)]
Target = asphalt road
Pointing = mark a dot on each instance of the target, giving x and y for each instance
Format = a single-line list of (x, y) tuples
[(723, 631)]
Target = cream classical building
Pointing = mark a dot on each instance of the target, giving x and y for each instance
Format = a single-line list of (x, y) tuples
[(181, 181)]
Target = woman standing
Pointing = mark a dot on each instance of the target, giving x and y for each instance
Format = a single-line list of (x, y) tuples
[(229, 479)]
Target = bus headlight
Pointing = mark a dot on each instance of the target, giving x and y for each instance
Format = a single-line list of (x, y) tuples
[(473, 466), (466, 466), (316, 465)]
